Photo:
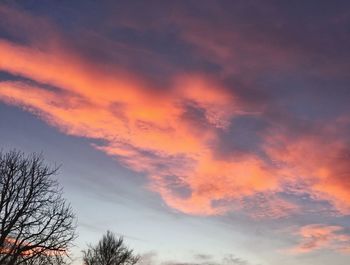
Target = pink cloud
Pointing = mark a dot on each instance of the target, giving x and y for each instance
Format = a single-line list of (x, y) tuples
[(317, 236), (145, 129)]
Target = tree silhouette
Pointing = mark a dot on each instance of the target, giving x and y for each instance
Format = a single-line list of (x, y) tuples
[(110, 250), (37, 226)]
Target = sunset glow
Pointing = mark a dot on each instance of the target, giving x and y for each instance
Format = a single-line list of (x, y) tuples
[(235, 125)]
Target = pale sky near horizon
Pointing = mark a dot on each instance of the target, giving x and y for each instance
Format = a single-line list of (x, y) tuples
[(204, 132)]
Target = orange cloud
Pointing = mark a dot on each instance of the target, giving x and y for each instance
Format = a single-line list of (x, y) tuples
[(144, 129), (153, 131), (147, 130), (320, 163), (13, 244), (213, 181), (317, 236)]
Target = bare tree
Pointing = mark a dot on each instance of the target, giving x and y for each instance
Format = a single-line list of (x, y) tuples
[(110, 250), (37, 226)]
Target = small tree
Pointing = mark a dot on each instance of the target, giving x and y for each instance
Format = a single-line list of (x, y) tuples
[(110, 250), (36, 224)]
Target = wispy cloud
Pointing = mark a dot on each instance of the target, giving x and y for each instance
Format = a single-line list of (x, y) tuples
[(172, 133), (199, 259), (317, 236)]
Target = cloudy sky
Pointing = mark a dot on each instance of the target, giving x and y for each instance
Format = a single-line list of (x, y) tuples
[(205, 132)]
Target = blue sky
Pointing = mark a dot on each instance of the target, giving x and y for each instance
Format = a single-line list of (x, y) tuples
[(204, 132)]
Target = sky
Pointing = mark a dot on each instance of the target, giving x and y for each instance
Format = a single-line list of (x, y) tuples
[(204, 132)]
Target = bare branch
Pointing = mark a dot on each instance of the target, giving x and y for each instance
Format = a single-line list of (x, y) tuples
[(110, 250), (37, 226)]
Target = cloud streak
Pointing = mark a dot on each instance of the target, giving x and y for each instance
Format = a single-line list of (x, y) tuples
[(171, 133), (148, 132), (317, 236)]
